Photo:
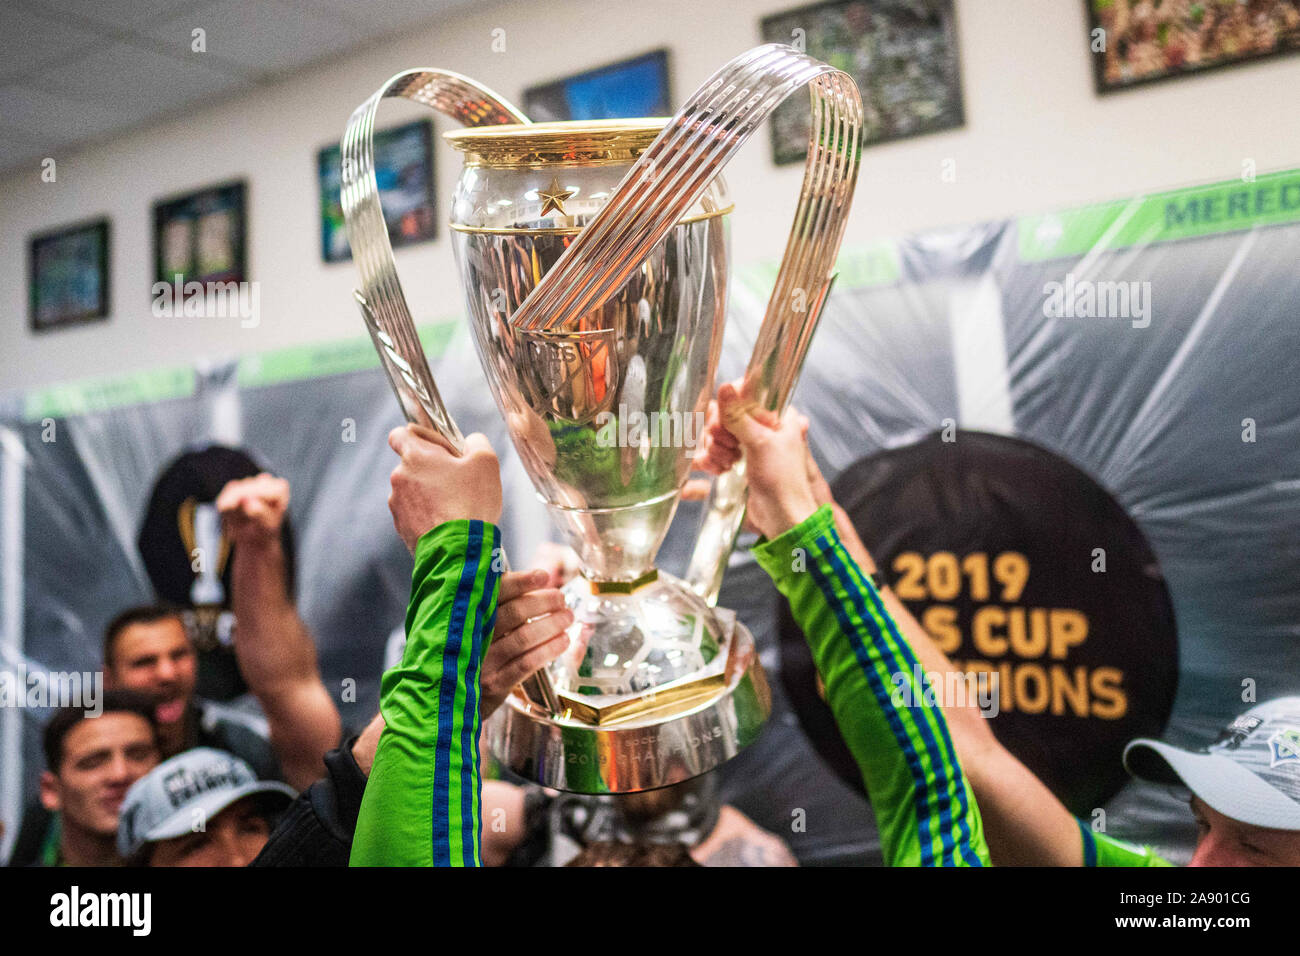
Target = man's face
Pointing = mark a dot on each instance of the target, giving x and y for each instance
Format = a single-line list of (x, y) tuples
[(1227, 842), (156, 659), (232, 838), (102, 757)]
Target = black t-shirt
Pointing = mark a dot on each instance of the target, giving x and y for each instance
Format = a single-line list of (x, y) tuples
[(317, 828), (237, 732)]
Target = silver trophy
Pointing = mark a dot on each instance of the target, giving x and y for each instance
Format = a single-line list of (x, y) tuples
[(594, 260)]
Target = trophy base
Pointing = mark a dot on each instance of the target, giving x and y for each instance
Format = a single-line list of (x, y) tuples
[(600, 744)]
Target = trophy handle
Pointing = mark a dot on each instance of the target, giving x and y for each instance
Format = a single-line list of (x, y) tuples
[(383, 305)]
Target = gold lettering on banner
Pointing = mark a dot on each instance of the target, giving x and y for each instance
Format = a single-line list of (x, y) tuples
[(1028, 648)]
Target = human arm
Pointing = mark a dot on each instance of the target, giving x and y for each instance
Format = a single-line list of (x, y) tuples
[(422, 804), (922, 801), (273, 647), (422, 801), (319, 829), (1024, 822)]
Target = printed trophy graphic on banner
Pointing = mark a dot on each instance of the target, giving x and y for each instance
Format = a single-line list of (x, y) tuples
[(594, 261)]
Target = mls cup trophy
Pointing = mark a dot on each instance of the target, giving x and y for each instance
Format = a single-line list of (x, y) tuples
[(593, 257)]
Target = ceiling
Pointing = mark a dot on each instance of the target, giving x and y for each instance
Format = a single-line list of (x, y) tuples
[(74, 71)]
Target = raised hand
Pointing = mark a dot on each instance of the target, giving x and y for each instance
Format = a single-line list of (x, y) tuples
[(252, 509), (432, 486)]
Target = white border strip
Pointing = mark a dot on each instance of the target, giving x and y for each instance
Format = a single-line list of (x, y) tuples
[(12, 464)]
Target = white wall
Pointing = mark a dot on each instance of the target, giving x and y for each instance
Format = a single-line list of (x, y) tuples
[(1036, 138)]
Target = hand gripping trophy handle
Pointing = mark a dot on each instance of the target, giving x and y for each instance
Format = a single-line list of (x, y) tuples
[(668, 178)]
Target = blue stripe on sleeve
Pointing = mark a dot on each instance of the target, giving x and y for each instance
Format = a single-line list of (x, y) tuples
[(919, 790), (949, 750), (1089, 844), (469, 778), (447, 700), (943, 780)]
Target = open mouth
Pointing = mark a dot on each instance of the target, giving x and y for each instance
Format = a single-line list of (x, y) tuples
[(169, 711)]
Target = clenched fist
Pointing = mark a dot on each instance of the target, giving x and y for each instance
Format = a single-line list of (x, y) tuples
[(432, 486), (252, 509)]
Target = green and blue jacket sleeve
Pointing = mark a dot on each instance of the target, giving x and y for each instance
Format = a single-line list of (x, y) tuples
[(922, 801), (1102, 850), (422, 802)]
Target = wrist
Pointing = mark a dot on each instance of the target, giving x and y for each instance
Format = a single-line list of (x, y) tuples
[(774, 554), (260, 545), (790, 511)]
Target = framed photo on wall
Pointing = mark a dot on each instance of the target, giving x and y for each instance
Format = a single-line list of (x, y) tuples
[(201, 236), (67, 276), (902, 54), (404, 172), (1134, 42), (629, 88)]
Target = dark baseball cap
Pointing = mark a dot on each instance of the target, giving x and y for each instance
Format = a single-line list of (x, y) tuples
[(192, 786), (1251, 773)]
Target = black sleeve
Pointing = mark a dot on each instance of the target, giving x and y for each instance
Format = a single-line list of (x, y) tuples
[(33, 835), (317, 828)]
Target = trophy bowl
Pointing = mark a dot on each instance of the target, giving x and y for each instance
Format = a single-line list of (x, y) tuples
[(605, 416)]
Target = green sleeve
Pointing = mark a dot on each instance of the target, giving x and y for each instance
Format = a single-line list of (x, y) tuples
[(421, 805), (923, 804), (1102, 850)]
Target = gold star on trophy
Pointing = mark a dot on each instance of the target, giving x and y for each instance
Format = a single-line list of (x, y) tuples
[(553, 196)]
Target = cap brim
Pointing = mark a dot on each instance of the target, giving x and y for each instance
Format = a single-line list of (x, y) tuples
[(182, 821), (1225, 785)]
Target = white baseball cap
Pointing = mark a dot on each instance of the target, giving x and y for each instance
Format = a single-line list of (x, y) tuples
[(1250, 774), (194, 785)]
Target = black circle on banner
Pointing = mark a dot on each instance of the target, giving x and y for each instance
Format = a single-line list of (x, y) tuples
[(199, 476), (997, 547)]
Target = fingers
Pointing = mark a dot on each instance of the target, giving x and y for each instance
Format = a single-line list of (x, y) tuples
[(515, 583), (535, 604), (409, 440), (229, 497), (531, 634), (697, 489), (737, 416), (255, 509), (719, 435), (541, 643), (478, 444), (257, 496), (518, 653), (719, 450)]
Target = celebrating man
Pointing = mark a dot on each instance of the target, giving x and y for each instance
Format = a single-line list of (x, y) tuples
[(147, 649)]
